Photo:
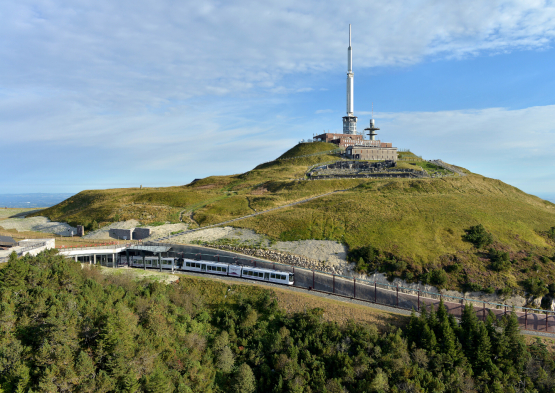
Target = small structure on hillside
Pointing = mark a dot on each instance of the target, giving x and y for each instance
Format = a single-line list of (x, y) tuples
[(7, 242), (129, 234)]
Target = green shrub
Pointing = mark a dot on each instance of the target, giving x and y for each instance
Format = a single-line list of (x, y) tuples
[(478, 236), (536, 287), (425, 278), (398, 265), (505, 292), (489, 290), (499, 260), (545, 259), (368, 253), (551, 233), (438, 277), (473, 287), (455, 268)]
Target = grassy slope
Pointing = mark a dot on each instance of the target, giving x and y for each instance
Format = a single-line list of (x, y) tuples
[(420, 220), (213, 199)]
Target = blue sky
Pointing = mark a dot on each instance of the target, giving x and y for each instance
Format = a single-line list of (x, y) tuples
[(103, 94)]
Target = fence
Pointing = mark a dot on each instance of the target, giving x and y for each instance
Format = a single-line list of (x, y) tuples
[(447, 166), (374, 292)]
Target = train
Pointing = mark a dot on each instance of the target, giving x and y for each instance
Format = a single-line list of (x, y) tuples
[(217, 268)]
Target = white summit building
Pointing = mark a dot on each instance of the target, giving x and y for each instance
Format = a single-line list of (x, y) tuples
[(350, 121)]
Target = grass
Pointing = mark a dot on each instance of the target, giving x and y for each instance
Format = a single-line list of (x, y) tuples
[(6, 213), (212, 199), (419, 220)]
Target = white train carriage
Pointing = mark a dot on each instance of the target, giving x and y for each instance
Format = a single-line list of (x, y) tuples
[(205, 267), (152, 262), (274, 276), (225, 269)]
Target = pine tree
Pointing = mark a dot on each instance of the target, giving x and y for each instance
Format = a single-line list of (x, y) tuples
[(226, 359), (517, 351), (428, 338), (244, 381), (157, 382)]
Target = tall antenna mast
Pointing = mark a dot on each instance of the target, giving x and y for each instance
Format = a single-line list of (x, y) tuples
[(350, 121)]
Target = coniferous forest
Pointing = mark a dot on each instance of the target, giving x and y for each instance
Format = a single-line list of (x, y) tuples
[(69, 328)]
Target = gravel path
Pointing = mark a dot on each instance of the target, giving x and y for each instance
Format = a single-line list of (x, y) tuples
[(251, 215), (242, 236), (38, 224)]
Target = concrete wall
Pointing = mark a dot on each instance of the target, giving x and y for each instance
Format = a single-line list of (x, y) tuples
[(141, 233), (121, 233), (372, 153), (50, 243), (133, 233)]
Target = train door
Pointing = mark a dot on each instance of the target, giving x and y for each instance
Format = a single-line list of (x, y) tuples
[(203, 267), (266, 276)]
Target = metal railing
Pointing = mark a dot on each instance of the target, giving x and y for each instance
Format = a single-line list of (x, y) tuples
[(380, 293)]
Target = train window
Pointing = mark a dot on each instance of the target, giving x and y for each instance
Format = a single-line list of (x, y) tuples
[(290, 277), (283, 277), (273, 275), (188, 264), (197, 265), (219, 268)]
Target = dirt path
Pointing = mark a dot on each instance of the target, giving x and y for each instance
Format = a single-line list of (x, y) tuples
[(250, 215)]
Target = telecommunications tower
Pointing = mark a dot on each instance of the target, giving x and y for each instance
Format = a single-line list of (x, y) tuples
[(350, 121)]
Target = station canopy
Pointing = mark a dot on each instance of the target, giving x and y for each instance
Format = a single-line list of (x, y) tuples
[(154, 249)]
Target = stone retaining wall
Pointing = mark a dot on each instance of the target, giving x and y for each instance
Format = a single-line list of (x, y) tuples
[(380, 278), (282, 257)]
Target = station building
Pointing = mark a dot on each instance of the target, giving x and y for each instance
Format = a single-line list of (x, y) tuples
[(379, 152)]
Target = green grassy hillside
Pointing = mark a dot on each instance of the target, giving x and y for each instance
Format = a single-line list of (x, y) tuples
[(416, 226), (212, 199)]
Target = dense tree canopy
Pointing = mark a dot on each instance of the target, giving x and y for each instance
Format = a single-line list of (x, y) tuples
[(64, 327)]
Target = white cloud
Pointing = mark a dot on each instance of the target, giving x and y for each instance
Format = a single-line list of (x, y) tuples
[(515, 146), (159, 86), (143, 52)]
